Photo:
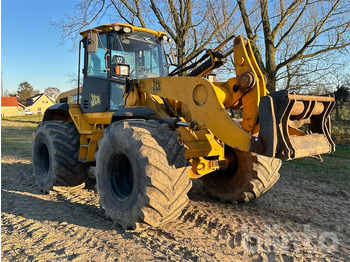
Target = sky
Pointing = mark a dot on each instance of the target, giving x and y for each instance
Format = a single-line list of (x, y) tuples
[(31, 48)]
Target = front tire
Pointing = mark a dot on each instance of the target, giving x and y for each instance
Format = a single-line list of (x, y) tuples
[(247, 177), (141, 173), (55, 156)]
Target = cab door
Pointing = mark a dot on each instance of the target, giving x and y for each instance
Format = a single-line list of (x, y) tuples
[(95, 86)]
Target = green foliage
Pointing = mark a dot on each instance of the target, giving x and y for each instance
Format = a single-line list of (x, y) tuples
[(341, 132), (342, 98), (341, 115), (24, 91), (342, 94)]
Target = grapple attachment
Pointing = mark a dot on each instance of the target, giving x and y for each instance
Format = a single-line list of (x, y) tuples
[(294, 126)]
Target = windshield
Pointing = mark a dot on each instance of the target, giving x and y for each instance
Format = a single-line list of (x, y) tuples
[(142, 51)]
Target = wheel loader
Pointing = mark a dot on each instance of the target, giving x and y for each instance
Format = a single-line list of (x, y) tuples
[(148, 132)]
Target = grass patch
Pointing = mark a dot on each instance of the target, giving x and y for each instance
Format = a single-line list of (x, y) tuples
[(341, 151), (17, 136), (24, 119), (333, 171), (16, 142)]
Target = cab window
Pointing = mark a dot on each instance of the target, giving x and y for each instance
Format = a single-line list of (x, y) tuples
[(96, 66), (141, 51)]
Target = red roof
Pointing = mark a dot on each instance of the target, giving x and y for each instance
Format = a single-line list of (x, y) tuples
[(9, 101)]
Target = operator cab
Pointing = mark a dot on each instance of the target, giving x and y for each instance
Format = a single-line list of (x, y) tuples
[(113, 54)]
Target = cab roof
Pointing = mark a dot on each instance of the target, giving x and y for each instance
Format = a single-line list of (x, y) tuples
[(109, 28)]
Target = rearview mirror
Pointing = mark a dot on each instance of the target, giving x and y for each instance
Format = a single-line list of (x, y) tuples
[(173, 56), (92, 42)]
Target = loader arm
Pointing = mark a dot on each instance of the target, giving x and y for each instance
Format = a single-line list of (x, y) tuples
[(206, 105), (281, 125)]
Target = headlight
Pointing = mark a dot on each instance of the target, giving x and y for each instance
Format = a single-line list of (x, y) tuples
[(127, 29), (122, 70), (117, 28), (163, 38)]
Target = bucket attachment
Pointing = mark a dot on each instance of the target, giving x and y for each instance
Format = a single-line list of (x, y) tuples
[(294, 126)]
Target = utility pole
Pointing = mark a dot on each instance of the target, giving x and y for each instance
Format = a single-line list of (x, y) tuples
[(2, 88)]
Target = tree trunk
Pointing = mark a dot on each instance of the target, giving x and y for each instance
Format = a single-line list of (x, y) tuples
[(181, 55), (270, 68), (271, 82)]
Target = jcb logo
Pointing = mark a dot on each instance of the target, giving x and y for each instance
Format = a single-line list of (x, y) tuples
[(94, 100)]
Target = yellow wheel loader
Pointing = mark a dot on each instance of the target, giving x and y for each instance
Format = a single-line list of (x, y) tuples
[(148, 132)]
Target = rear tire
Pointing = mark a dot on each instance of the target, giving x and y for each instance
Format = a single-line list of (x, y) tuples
[(248, 177), (141, 173), (55, 156)]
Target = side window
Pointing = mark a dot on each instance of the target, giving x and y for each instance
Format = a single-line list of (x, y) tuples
[(119, 57), (152, 62), (96, 65), (116, 95)]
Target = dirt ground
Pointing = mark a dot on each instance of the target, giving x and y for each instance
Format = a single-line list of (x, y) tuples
[(299, 219)]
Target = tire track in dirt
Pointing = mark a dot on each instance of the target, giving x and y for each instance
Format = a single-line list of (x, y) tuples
[(65, 225), (222, 224), (70, 226)]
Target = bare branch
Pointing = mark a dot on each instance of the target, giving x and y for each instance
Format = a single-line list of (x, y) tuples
[(214, 32), (311, 38), (284, 15), (162, 22), (121, 13), (292, 26), (266, 22), (331, 48), (136, 13), (249, 31), (173, 13)]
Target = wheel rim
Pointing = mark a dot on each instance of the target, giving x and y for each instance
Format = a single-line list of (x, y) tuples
[(44, 159), (121, 176)]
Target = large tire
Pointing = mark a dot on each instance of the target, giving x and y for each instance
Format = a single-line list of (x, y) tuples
[(141, 173), (247, 177), (55, 156)]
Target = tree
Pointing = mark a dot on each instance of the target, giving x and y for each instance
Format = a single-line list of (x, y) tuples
[(291, 39), (35, 92), (190, 24), (342, 96), (24, 91), (52, 92), (296, 31), (5, 92), (187, 22), (73, 80)]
